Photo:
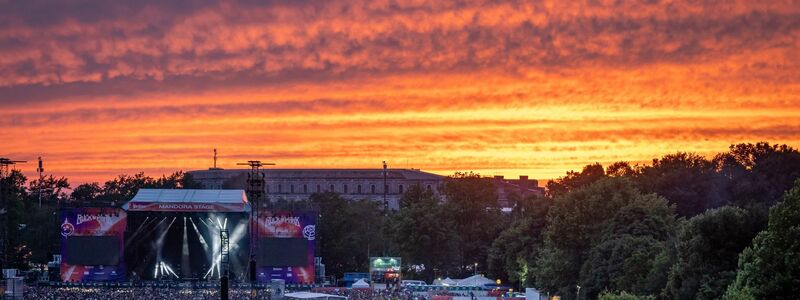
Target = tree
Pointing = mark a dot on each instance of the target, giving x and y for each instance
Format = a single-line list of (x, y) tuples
[(86, 193), (472, 204), (349, 232), (587, 225), (769, 269), (123, 188), (177, 180), (707, 251), (687, 180), (629, 249), (14, 195), (424, 233), (49, 189), (574, 180), (760, 173), (621, 169), (513, 253), (623, 296), (40, 234)]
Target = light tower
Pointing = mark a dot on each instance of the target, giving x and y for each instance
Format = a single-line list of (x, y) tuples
[(257, 196)]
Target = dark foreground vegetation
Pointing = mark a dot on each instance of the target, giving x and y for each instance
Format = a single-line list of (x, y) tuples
[(681, 227)]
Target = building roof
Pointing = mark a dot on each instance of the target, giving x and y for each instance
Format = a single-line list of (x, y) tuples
[(408, 174)]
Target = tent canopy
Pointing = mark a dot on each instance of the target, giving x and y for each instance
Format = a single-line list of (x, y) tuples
[(446, 282), (360, 284), (187, 200), (310, 295), (475, 280)]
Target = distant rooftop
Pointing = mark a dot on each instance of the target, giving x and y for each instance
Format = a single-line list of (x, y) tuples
[(412, 174)]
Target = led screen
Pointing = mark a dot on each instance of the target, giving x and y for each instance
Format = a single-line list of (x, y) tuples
[(92, 250), (283, 252)]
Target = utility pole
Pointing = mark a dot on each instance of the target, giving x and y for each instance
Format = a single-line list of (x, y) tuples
[(385, 188), (385, 203), (40, 170)]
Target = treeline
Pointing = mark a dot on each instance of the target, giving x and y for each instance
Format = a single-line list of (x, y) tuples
[(681, 227), (671, 229), (675, 228)]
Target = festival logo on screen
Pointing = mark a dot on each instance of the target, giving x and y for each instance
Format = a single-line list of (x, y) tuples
[(67, 228), (284, 224), (309, 232), (86, 222)]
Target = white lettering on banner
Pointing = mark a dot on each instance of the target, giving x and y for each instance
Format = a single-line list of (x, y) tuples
[(149, 206), (86, 218), (272, 221), (186, 206)]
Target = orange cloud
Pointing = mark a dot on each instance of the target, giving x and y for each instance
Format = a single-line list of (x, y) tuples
[(507, 87)]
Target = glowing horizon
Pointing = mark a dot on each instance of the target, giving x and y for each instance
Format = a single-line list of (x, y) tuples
[(508, 88)]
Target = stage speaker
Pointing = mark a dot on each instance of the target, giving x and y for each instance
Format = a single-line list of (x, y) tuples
[(223, 288), (252, 270)]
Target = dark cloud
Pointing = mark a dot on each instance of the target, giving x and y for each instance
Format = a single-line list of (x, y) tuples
[(159, 44)]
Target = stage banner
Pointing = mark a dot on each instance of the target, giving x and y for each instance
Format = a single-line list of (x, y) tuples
[(187, 207), (286, 244), (92, 244)]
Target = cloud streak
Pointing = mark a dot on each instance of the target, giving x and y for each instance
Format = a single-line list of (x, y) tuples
[(536, 87)]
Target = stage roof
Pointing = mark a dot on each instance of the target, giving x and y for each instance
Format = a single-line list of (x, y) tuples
[(185, 200)]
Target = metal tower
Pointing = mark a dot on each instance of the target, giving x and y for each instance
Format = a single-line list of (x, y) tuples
[(257, 197)]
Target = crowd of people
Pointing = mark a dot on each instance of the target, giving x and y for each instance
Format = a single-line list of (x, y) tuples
[(377, 294), (160, 293), (235, 293), (118, 293)]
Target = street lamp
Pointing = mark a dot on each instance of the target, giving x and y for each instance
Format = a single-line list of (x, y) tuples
[(476, 269), (578, 296)]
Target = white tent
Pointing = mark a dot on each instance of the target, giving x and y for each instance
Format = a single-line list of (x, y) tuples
[(360, 284), (475, 280), (445, 282), (309, 295)]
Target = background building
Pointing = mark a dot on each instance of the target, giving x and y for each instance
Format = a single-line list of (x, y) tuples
[(299, 184), (354, 184)]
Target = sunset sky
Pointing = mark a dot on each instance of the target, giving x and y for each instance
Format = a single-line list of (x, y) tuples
[(100, 88)]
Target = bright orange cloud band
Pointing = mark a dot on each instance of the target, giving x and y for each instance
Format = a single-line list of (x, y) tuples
[(503, 88)]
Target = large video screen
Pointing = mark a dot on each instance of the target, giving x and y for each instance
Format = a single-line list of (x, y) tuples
[(92, 250), (92, 244), (286, 241), (283, 252)]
